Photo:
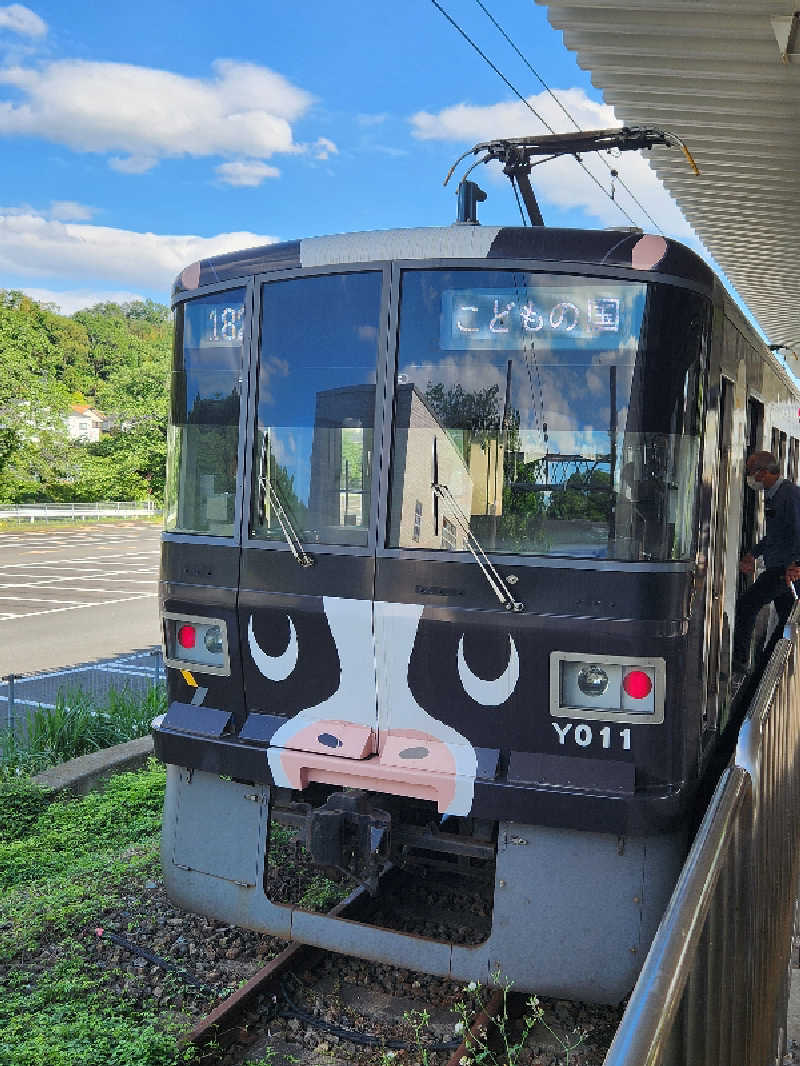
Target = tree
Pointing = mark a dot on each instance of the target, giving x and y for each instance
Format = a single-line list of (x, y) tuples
[(584, 496), (113, 357)]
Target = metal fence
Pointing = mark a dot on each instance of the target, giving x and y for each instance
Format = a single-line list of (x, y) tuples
[(714, 987), (31, 512), (135, 673)]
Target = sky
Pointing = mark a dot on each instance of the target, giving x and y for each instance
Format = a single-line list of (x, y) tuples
[(138, 138)]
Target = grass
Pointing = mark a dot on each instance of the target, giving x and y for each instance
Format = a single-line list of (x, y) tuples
[(61, 866), (77, 725)]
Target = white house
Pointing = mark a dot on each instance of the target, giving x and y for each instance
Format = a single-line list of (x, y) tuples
[(84, 423)]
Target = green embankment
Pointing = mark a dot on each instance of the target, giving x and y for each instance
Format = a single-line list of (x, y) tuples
[(113, 358)]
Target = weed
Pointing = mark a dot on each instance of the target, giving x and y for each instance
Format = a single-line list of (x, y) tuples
[(480, 1050), (322, 894), (21, 804), (478, 1044), (64, 1017), (76, 725), (62, 864)]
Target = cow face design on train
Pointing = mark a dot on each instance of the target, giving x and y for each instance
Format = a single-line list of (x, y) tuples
[(371, 732)]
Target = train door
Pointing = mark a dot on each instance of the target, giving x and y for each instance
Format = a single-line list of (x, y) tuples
[(308, 557), (720, 624)]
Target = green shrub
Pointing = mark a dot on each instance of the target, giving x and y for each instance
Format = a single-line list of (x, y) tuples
[(69, 834), (21, 803)]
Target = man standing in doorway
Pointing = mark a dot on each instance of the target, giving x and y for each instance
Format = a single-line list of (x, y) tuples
[(780, 548)]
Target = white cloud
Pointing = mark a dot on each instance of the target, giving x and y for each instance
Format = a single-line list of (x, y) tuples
[(149, 114), (323, 147), (20, 19), (248, 172), (72, 300), (70, 211), (132, 164), (32, 245), (562, 183)]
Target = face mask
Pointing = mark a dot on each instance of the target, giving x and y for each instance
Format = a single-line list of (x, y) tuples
[(756, 486)]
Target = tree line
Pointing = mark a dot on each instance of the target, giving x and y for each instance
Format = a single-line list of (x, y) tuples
[(114, 358)]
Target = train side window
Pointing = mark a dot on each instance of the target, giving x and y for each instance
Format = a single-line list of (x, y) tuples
[(781, 453), (204, 417), (794, 454)]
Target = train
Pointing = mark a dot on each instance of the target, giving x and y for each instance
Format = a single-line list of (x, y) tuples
[(448, 583)]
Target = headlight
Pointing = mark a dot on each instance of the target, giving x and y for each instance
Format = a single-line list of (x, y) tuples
[(213, 640), (592, 680)]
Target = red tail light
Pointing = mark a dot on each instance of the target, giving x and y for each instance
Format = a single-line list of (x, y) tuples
[(186, 636), (637, 684)]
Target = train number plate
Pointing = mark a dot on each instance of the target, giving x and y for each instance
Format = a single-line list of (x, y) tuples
[(584, 735)]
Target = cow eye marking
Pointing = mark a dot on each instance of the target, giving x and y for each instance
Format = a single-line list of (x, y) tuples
[(274, 667), (489, 693)]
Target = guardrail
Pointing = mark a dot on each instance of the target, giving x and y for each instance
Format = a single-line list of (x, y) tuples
[(22, 694), (714, 987), (33, 511)]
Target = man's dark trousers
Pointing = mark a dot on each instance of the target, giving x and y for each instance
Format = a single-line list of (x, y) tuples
[(769, 586)]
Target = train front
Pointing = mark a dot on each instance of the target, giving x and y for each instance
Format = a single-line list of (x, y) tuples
[(427, 603)]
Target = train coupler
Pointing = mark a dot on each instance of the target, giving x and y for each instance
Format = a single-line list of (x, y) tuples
[(348, 834)]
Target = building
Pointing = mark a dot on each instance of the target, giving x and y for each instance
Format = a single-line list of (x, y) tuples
[(84, 423)]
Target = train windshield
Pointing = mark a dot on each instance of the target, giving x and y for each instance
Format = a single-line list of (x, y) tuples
[(316, 408), (553, 414)]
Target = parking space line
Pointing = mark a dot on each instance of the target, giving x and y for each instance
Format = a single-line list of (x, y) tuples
[(35, 599), (81, 606)]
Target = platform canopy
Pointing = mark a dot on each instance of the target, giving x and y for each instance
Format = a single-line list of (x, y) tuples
[(725, 76)]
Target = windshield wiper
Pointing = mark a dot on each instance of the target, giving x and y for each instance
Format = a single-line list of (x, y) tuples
[(496, 583), (288, 530)]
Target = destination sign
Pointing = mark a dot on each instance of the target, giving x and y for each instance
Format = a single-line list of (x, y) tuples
[(574, 316), (215, 321)]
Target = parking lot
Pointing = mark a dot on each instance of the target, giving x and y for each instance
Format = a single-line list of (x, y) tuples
[(74, 595)]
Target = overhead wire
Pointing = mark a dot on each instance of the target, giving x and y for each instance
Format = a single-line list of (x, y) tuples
[(528, 104), (549, 91)]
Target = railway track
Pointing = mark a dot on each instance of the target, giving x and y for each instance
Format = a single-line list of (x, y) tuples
[(308, 1006), (300, 1005)]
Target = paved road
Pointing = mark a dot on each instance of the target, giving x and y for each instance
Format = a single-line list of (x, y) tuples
[(72, 595)]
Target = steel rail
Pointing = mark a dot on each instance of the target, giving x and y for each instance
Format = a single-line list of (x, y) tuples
[(229, 1009), (465, 1050)]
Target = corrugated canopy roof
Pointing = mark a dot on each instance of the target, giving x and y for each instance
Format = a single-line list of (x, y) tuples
[(725, 76)]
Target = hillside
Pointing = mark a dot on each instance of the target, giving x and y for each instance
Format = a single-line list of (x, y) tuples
[(112, 357)]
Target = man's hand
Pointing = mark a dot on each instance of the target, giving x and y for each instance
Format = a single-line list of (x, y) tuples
[(747, 564), (792, 573)]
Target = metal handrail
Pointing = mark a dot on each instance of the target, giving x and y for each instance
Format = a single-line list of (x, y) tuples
[(713, 987), (656, 998)]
